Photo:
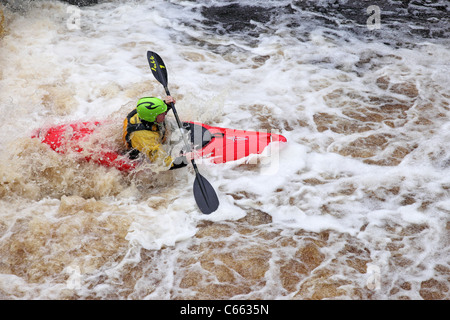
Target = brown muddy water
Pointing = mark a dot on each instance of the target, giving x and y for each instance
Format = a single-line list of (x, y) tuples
[(354, 206)]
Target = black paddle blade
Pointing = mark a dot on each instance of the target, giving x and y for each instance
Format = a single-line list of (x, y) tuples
[(158, 67), (204, 195)]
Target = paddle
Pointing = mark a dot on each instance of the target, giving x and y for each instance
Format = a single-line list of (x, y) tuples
[(204, 193)]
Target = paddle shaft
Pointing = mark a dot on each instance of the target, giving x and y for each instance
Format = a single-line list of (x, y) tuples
[(201, 184), (204, 193), (180, 125)]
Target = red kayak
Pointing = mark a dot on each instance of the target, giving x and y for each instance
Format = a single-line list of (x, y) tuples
[(218, 145)]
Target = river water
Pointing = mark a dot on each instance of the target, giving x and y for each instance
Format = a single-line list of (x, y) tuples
[(354, 206)]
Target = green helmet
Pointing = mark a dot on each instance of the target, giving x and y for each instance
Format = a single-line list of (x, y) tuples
[(148, 108)]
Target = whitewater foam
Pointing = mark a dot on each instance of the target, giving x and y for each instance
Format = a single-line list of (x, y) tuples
[(359, 192)]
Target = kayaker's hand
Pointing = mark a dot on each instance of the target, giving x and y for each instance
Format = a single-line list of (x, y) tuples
[(169, 99)]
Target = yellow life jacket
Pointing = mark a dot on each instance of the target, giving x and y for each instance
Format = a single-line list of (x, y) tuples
[(133, 123)]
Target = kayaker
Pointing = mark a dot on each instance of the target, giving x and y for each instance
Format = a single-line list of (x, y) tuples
[(145, 130)]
